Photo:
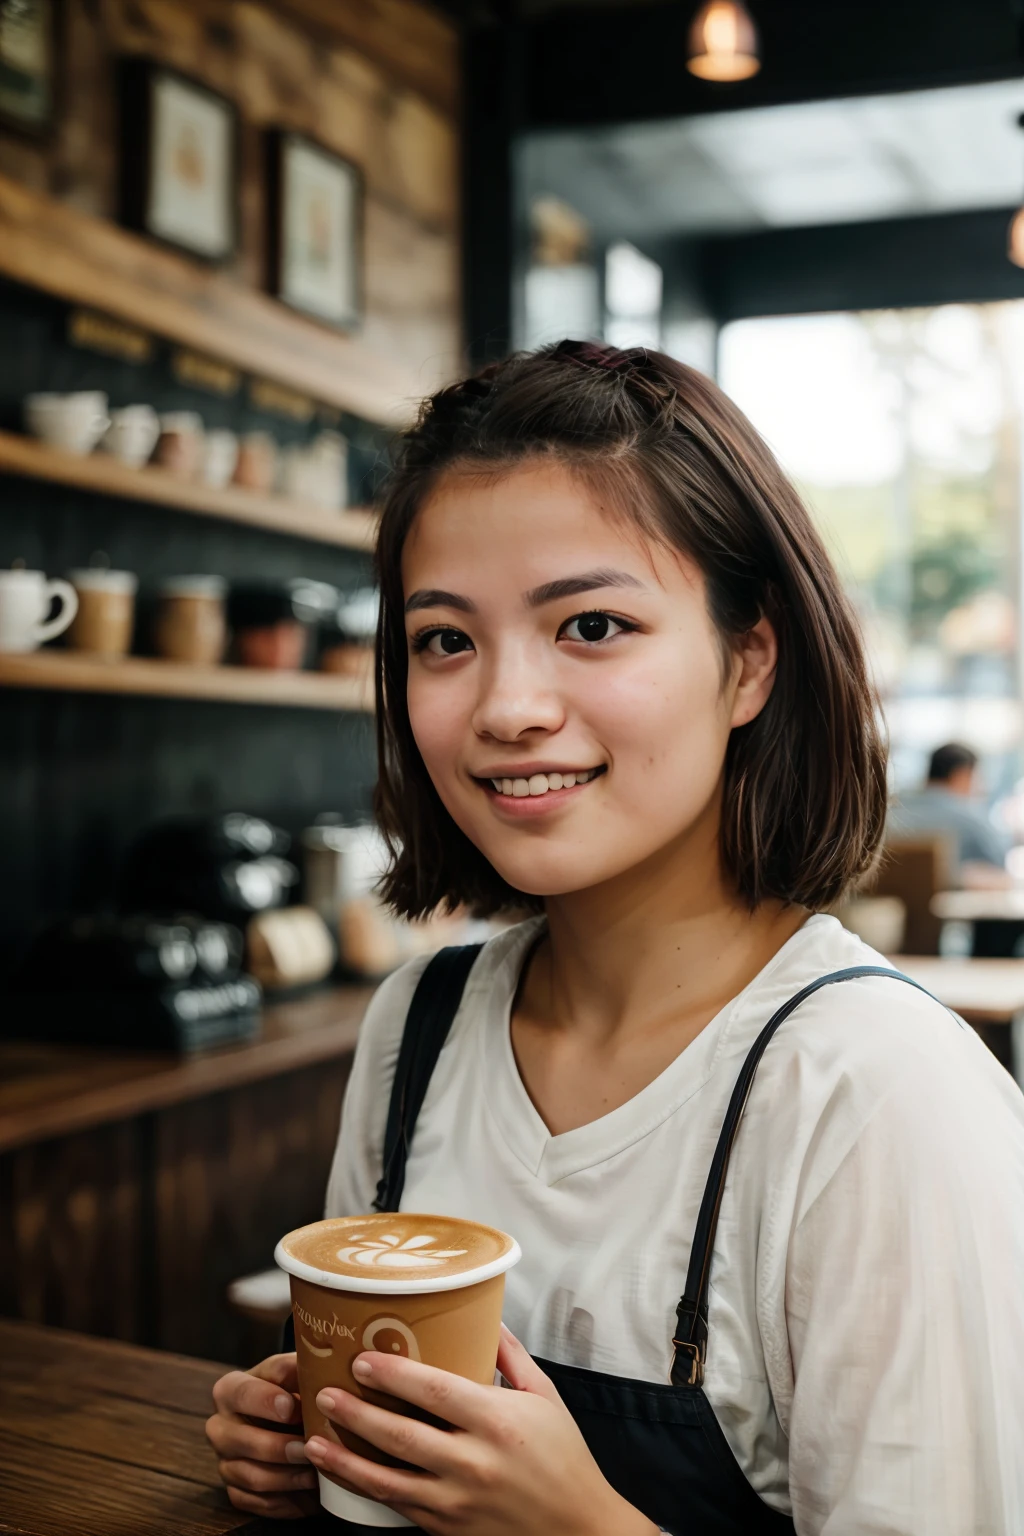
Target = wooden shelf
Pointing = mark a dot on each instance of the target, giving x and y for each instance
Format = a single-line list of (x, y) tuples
[(69, 672), (84, 260), (104, 475)]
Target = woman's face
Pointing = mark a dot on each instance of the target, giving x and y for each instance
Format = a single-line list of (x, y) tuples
[(566, 684)]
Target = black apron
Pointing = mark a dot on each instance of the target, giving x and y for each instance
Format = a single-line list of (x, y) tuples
[(659, 1445)]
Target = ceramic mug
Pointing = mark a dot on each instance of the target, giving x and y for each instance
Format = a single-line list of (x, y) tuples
[(132, 434), (180, 449), (25, 598), (73, 423), (220, 455), (106, 611)]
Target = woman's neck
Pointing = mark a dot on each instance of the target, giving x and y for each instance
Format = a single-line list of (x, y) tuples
[(666, 944)]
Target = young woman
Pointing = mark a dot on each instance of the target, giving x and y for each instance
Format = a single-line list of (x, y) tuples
[(619, 685)]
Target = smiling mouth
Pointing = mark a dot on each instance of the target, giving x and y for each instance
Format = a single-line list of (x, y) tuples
[(539, 784)]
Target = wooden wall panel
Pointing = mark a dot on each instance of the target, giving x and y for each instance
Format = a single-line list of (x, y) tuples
[(374, 82), (232, 1174), (71, 1218)]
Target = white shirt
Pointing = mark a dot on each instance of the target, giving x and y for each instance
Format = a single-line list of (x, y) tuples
[(866, 1321)]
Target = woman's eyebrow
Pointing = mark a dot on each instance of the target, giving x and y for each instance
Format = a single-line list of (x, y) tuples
[(433, 597), (573, 586), (550, 592)]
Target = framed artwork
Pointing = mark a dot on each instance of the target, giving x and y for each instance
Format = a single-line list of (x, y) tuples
[(179, 168), (316, 230), (27, 52)]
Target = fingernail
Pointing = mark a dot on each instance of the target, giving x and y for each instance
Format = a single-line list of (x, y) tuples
[(316, 1449), (295, 1451), (284, 1406), (326, 1402), (362, 1369)]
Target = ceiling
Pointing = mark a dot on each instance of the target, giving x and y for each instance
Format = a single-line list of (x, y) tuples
[(809, 163)]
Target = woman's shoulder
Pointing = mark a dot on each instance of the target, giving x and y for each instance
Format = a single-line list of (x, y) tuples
[(495, 969), (871, 1045)]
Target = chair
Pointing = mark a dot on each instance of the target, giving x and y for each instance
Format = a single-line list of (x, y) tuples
[(915, 869)]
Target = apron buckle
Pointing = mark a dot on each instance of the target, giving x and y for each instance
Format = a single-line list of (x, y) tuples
[(696, 1361)]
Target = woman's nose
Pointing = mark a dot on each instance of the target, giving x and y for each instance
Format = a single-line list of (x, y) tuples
[(516, 696)]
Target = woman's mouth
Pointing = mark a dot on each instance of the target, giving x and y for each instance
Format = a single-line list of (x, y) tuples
[(536, 785)]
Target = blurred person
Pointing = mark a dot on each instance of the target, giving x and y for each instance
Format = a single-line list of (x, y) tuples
[(950, 803), (770, 1195)]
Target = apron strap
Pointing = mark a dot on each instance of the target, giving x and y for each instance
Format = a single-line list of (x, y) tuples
[(691, 1334), (431, 1013)]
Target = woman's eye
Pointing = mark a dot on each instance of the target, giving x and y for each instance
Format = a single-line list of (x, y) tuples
[(593, 627), (443, 642)]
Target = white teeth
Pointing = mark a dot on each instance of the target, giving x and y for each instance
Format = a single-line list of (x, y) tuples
[(540, 783)]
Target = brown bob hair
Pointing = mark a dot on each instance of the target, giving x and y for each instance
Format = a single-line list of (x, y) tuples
[(805, 782)]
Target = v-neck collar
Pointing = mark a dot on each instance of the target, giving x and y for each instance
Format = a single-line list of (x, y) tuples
[(552, 1158)]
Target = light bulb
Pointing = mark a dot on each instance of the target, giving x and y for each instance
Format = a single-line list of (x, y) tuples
[(723, 42), (1015, 239)]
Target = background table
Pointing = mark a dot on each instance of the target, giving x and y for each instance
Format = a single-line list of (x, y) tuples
[(106, 1439), (996, 918)]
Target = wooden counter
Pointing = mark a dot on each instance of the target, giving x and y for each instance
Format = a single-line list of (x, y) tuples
[(137, 1186), (52, 1090)]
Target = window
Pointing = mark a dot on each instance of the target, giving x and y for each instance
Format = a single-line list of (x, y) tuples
[(902, 429)]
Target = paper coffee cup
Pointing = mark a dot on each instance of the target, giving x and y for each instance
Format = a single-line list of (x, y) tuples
[(428, 1287)]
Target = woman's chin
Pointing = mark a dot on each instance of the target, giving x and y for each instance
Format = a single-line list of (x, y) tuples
[(542, 878)]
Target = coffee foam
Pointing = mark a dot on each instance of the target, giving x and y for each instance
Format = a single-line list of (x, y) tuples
[(396, 1252)]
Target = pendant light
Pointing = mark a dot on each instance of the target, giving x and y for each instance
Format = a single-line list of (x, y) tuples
[(1015, 234), (723, 42)]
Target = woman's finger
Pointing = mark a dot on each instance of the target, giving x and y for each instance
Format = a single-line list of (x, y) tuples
[(520, 1369), (275, 1506), (257, 1477), (409, 1439), (407, 1491), (452, 1398), (233, 1438), (243, 1393)]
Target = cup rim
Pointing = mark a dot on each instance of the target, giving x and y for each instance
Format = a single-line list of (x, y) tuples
[(391, 1285), (99, 579)]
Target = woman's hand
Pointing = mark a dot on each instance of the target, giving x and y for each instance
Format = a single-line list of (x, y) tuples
[(514, 1463), (256, 1433)]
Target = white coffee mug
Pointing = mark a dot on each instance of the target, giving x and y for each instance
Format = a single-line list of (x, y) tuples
[(132, 434), (25, 598), (220, 455), (73, 423)]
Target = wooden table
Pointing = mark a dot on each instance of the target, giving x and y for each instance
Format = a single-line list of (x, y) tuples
[(983, 991), (996, 918), (136, 1186), (974, 906), (105, 1439)]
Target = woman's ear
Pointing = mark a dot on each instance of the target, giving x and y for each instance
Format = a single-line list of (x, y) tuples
[(756, 653)]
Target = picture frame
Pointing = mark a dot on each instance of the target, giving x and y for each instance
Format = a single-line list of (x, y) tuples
[(28, 65), (179, 160), (315, 234)]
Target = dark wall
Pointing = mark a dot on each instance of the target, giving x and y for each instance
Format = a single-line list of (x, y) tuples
[(81, 775), (890, 263), (627, 63)]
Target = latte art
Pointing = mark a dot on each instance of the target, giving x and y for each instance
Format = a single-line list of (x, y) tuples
[(390, 1252)]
